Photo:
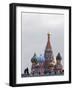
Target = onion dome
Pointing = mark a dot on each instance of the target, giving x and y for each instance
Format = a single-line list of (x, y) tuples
[(41, 59), (34, 58), (58, 57)]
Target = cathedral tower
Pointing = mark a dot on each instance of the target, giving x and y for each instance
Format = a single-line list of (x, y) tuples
[(48, 54), (48, 51)]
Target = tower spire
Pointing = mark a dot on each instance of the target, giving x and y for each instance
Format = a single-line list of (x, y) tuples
[(48, 46), (48, 50)]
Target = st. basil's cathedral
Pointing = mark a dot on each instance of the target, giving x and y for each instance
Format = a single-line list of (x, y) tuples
[(46, 64)]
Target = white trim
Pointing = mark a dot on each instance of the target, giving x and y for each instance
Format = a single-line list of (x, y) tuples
[(18, 47)]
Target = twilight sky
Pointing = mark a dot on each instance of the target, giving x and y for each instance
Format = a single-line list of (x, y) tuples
[(35, 27)]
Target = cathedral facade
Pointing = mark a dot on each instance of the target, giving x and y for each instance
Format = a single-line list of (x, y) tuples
[(45, 64)]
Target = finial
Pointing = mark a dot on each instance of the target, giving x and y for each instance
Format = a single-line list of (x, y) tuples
[(49, 33), (34, 54)]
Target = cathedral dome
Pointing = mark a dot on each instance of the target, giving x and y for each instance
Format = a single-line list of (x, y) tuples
[(34, 58), (41, 58), (58, 57)]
